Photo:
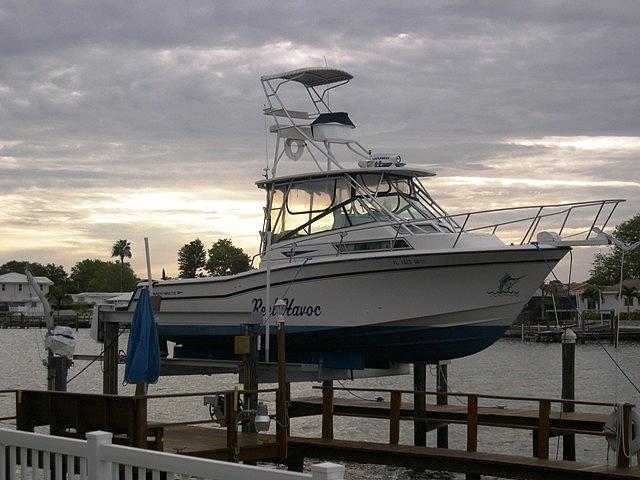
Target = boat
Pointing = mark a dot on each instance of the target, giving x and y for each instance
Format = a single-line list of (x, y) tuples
[(371, 269)]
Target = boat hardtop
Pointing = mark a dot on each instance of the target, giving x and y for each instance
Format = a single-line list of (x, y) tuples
[(396, 171), (311, 76)]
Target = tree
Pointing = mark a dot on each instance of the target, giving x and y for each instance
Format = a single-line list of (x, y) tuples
[(107, 276), (58, 294), (605, 269), (53, 272), (191, 259), (83, 271), (227, 259), (592, 293), (629, 293), (122, 248), (93, 275)]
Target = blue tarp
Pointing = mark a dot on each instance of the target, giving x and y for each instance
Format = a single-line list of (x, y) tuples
[(143, 349)]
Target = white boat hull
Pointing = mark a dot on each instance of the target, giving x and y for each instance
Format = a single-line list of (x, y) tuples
[(368, 309)]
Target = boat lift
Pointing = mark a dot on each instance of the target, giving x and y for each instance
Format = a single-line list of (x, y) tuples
[(107, 322)]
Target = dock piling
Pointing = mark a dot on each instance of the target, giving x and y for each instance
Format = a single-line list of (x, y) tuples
[(419, 404), (623, 459), (568, 389), (110, 372), (394, 418), (543, 429), (327, 409), (442, 385)]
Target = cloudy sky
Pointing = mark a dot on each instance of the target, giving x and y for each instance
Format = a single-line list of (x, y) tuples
[(132, 119)]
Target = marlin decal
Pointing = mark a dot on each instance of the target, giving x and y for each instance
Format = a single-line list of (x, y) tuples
[(506, 284)]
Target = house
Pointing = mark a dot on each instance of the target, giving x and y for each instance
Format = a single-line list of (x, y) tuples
[(609, 297), (16, 295)]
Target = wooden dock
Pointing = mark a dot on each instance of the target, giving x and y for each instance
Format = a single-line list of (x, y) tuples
[(73, 414), (437, 415), (471, 463), (207, 442)]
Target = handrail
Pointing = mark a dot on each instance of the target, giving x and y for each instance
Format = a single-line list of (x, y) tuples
[(535, 219), (465, 394)]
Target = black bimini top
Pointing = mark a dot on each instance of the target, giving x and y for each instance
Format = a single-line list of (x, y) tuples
[(400, 171)]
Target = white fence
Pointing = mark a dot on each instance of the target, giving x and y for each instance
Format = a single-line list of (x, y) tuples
[(31, 456)]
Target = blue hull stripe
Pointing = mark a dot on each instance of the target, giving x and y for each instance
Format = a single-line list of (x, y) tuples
[(352, 347)]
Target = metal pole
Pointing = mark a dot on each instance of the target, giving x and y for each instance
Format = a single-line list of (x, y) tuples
[(267, 300), (619, 299), (281, 430), (568, 388), (149, 279)]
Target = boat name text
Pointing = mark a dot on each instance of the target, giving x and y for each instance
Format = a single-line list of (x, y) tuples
[(292, 309)]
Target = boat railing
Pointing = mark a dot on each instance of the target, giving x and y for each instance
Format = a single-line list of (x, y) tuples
[(579, 219), (551, 216)]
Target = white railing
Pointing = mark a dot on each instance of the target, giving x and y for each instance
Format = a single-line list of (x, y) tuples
[(25, 455)]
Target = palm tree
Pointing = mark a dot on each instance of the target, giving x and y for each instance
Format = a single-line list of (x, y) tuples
[(122, 248), (629, 293), (592, 293)]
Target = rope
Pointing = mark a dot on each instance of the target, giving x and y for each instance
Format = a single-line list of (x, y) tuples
[(595, 336), (96, 357), (358, 396), (269, 313)]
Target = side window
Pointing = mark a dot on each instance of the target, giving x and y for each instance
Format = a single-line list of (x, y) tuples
[(19, 287)]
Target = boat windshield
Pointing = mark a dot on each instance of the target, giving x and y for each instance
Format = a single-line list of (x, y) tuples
[(305, 207)]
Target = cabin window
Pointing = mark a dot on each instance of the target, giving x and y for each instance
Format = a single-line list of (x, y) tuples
[(19, 287), (311, 197), (41, 288), (374, 183), (3, 287), (378, 245)]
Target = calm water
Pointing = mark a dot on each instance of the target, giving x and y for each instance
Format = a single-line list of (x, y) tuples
[(508, 367)]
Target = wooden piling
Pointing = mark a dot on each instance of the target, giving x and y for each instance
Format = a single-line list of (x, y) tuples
[(419, 404), (110, 356), (141, 422), (472, 423), (623, 458), (327, 409), (394, 418), (543, 429), (232, 426), (442, 385), (568, 389)]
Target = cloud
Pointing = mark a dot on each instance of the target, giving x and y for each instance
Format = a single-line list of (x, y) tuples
[(514, 102)]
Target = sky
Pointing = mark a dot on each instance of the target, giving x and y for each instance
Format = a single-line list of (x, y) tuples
[(143, 119)]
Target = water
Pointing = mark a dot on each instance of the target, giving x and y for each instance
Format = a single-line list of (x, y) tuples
[(507, 368)]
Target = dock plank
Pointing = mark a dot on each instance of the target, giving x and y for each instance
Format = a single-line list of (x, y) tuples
[(506, 466), (211, 443)]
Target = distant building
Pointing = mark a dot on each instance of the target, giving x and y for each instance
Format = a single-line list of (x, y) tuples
[(609, 297), (16, 295), (119, 299)]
